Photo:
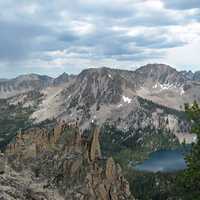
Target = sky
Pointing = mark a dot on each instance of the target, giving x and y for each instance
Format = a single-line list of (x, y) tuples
[(52, 37)]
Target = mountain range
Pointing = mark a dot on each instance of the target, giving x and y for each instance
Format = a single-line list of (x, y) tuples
[(153, 81), (151, 96)]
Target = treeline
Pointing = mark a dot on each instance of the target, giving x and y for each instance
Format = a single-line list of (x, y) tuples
[(151, 106)]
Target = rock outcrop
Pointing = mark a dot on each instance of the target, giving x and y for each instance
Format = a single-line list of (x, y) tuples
[(63, 162), (95, 152), (35, 140), (107, 183), (110, 169)]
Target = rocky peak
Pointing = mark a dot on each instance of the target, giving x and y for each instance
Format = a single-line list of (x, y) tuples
[(95, 86), (23, 83), (196, 76), (63, 78), (187, 74), (28, 77), (158, 73), (95, 151), (158, 68)]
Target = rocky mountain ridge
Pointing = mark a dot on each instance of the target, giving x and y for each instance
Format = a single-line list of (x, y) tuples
[(115, 96), (23, 84), (156, 73)]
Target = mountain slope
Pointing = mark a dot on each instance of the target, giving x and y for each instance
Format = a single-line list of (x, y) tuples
[(164, 85), (105, 93), (104, 87)]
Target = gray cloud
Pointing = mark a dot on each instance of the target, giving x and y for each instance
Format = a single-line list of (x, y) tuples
[(159, 41), (17, 39), (31, 31), (182, 4)]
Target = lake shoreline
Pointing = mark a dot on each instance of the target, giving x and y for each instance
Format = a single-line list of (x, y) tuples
[(164, 160)]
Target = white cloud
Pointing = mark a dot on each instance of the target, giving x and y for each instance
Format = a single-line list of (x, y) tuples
[(186, 57)]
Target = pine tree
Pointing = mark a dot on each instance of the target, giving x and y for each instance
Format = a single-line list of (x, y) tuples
[(190, 179)]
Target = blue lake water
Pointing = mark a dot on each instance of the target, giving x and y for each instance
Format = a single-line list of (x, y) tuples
[(164, 161)]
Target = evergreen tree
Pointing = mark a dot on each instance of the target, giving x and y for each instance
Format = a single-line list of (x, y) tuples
[(190, 179)]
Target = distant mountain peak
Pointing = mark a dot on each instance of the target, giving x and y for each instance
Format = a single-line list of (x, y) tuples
[(156, 67), (63, 78)]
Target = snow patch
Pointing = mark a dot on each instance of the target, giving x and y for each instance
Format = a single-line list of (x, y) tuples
[(94, 119), (182, 92), (120, 105), (155, 86), (126, 99), (110, 76), (166, 86)]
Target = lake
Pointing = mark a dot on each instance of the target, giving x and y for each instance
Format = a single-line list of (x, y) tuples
[(164, 161)]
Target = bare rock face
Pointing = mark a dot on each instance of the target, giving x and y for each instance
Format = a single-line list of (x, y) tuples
[(35, 140), (110, 169), (62, 162), (95, 152), (107, 183)]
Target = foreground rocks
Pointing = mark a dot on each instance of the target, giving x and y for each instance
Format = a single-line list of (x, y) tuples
[(60, 164), (24, 186)]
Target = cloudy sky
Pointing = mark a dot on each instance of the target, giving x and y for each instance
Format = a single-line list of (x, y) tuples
[(50, 37)]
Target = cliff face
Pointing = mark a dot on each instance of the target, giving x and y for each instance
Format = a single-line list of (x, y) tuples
[(63, 163)]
